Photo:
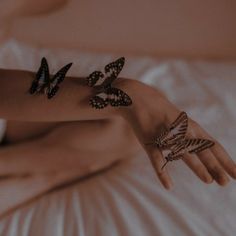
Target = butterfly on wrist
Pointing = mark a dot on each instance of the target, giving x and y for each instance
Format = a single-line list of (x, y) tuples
[(102, 83)]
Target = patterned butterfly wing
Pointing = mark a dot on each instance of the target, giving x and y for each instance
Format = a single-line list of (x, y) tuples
[(107, 94), (99, 101), (113, 96), (113, 69), (95, 79), (116, 97), (56, 80), (42, 78), (176, 132), (189, 146), (61, 74), (197, 145)]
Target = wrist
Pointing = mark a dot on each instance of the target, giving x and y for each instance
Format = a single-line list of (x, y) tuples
[(144, 98)]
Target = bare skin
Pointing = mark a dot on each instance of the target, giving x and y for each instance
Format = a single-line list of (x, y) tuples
[(146, 115), (40, 156), (85, 146)]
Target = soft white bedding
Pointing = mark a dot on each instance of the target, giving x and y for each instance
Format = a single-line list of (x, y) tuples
[(128, 199)]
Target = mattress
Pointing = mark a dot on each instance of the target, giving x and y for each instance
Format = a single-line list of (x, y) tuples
[(127, 199)]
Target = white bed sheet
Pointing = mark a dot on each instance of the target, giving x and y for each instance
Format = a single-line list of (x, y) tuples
[(128, 199)]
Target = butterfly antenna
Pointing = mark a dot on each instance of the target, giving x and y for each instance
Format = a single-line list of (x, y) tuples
[(164, 165)]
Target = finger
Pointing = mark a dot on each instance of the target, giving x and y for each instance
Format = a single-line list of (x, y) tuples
[(224, 159), (157, 161), (220, 153), (198, 168), (213, 167)]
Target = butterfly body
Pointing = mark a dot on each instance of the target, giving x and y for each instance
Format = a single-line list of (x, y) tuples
[(160, 140), (44, 84), (105, 92)]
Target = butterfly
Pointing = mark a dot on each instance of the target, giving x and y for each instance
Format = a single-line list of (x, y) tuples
[(44, 84), (102, 82), (174, 139)]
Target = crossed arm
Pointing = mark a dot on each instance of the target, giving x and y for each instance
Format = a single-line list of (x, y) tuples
[(147, 114)]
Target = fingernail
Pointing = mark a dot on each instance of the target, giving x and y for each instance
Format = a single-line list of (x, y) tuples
[(208, 179), (223, 180), (168, 185)]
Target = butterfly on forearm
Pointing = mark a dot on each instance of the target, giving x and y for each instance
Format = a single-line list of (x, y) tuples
[(44, 84), (174, 139), (102, 82)]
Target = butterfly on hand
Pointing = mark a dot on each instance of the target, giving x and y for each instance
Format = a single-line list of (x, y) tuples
[(105, 92), (44, 84), (174, 139)]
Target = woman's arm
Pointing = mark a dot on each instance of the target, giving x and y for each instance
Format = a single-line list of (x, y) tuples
[(71, 102), (150, 111), (84, 146)]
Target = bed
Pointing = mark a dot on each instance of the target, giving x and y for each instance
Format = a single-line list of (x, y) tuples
[(120, 200)]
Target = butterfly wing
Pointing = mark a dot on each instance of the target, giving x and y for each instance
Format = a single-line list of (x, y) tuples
[(176, 132), (197, 145), (191, 146), (60, 75), (113, 96), (42, 77), (56, 80), (108, 94), (179, 127), (99, 101), (113, 69), (187, 146), (178, 150), (116, 97), (95, 79)]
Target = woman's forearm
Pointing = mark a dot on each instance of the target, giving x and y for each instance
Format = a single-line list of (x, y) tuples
[(36, 157), (70, 103), (81, 148)]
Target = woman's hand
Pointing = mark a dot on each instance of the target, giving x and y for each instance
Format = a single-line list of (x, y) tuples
[(152, 111)]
